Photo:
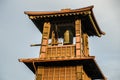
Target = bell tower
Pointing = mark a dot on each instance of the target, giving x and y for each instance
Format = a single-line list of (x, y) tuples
[(64, 51)]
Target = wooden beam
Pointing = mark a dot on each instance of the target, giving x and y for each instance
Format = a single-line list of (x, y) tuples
[(78, 38), (45, 37), (98, 34), (85, 45)]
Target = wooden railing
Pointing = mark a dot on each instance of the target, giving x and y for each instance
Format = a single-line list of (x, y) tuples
[(60, 51)]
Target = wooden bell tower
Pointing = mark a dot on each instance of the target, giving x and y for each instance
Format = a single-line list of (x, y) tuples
[(64, 51)]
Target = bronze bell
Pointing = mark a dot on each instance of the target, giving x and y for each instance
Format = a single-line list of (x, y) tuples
[(68, 37)]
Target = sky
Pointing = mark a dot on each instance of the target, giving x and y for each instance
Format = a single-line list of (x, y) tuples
[(17, 33)]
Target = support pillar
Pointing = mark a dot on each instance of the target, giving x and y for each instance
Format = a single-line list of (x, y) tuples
[(85, 45), (39, 73), (81, 75), (44, 45), (78, 38)]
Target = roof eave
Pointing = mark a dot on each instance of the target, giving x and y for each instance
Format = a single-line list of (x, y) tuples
[(33, 63), (36, 13), (98, 31), (87, 10)]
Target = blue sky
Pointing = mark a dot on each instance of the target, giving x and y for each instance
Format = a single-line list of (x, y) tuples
[(17, 32)]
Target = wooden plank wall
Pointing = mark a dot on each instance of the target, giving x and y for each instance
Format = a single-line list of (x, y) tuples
[(61, 73)]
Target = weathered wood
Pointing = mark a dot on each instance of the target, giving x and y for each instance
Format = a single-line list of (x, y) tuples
[(61, 51), (45, 37), (85, 45), (55, 60), (78, 38), (61, 73), (39, 73), (57, 73), (81, 75)]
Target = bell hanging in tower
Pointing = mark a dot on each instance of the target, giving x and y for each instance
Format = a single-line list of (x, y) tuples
[(68, 37)]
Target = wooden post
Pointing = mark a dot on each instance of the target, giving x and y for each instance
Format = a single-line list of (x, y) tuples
[(39, 73), (54, 39), (85, 45), (79, 74), (78, 37), (45, 37)]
